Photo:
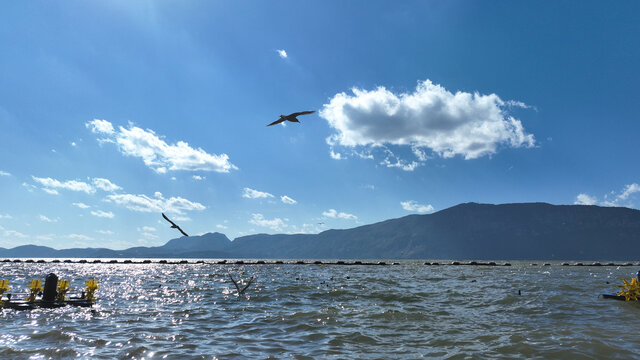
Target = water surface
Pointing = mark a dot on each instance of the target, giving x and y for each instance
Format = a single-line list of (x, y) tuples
[(405, 311)]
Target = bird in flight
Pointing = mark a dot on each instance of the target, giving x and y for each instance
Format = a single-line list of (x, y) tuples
[(291, 117), (173, 225)]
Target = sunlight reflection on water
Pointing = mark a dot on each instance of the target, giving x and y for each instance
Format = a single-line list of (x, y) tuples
[(326, 311)]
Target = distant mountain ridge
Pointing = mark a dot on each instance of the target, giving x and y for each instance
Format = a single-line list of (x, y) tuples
[(465, 231)]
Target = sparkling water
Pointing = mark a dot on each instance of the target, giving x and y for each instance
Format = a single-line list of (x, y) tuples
[(294, 311)]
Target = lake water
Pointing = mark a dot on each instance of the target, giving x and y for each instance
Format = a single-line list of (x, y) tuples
[(404, 311)]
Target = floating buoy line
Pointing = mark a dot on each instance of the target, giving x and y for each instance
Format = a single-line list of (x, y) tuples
[(52, 295)]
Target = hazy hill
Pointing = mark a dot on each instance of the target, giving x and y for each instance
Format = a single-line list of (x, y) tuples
[(465, 231)]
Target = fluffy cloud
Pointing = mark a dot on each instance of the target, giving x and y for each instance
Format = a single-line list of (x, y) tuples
[(282, 53), (78, 237), (275, 224), (157, 203), (629, 190), (46, 219), (104, 214), (105, 184), (100, 127), (612, 199), (50, 185), (430, 118), (334, 214), (584, 199), (412, 205), (14, 234), (81, 205), (156, 153), (4, 173), (198, 177), (72, 185), (287, 200), (255, 194)]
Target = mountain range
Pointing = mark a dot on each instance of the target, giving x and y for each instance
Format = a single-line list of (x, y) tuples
[(466, 231)]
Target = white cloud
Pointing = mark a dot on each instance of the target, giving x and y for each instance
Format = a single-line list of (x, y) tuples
[(104, 214), (148, 235), (287, 200), (46, 219), (147, 229), (335, 155), (81, 205), (255, 194), (275, 224), (220, 226), (282, 53), (412, 205), (14, 234), (198, 177), (79, 237), (156, 153), (629, 190), (73, 143), (430, 118), (105, 184), (100, 127), (30, 187), (584, 199), (51, 185), (105, 232), (4, 173), (621, 199), (72, 185), (158, 203), (334, 214), (5, 216)]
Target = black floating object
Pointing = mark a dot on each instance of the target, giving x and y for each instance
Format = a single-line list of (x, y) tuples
[(173, 225), (290, 117)]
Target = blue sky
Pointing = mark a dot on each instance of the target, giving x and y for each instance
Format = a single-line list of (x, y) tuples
[(113, 112)]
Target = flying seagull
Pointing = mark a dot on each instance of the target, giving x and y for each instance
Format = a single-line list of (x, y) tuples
[(291, 117), (173, 225)]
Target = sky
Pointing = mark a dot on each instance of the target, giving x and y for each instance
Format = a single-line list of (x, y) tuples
[(114, 112)]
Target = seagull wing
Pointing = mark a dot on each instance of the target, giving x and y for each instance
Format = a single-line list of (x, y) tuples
[(246, 287), (166, 218), (277, 121), (183, 233), (173, 225), (234, 283), (301, 113)]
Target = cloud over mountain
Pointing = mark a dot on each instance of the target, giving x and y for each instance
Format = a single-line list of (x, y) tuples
[(431, 118), (157, 203), (413, 205)]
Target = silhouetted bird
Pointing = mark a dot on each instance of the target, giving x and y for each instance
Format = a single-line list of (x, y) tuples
[(173, 225), (291, 117)]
